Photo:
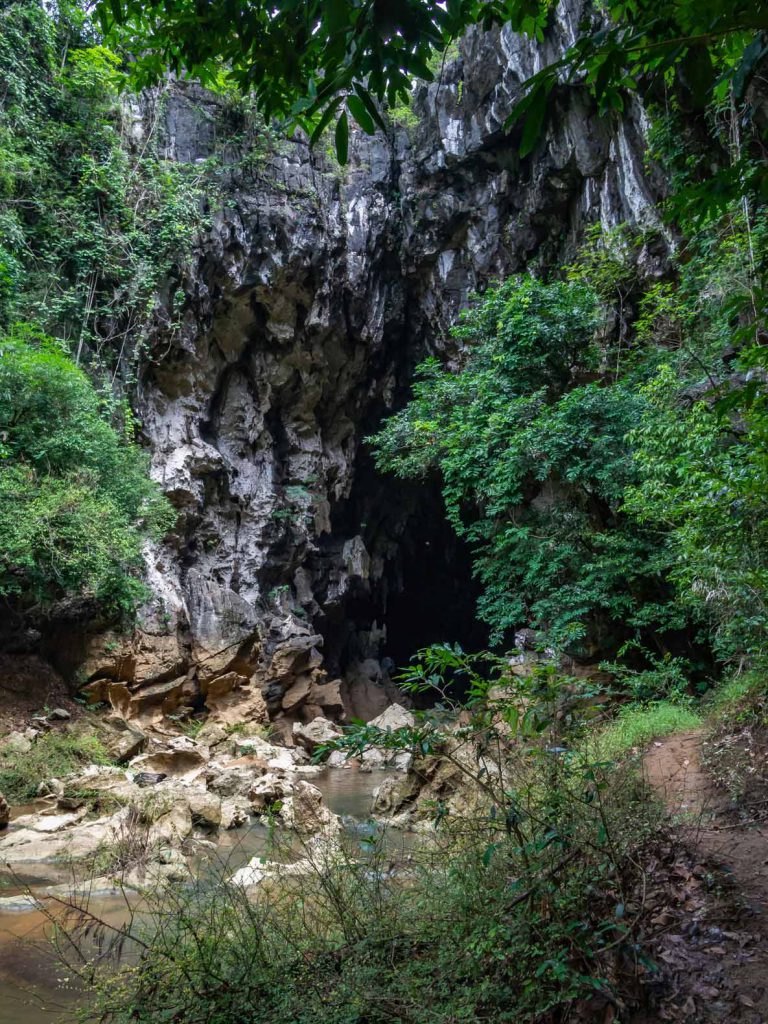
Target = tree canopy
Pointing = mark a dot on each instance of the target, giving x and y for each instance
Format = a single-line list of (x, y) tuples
[(329, 58)]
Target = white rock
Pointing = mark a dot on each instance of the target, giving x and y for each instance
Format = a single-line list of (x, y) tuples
[(313, 734), (277, 758)]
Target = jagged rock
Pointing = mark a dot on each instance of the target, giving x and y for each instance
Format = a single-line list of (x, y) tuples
[(59, 715), (122, 740), (315, 733), (235, 812), (222, 685), (255, 414), (392, 718), (239, 706), (182, 756), (166, 694)]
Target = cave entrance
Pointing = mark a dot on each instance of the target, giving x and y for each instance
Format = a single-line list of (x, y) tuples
[(431, 595), (421, 590)]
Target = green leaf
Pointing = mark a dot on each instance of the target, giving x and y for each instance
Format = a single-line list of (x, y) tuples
[(324, 120), (359, 112), (342, 139)]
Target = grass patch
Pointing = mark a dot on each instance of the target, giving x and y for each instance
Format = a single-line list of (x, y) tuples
[(636, 726), (737, 695), (735, 751), (53, 756)]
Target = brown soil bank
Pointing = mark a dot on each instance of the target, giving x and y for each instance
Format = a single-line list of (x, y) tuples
[(713, 936)]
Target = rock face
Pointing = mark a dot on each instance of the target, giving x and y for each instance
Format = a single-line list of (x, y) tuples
[(296, 572)]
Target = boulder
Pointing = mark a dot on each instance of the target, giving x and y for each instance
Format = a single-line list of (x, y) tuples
[(267, 790), (145, 779), (393, 795), (328, 697), (235, 812), (339, 759), (276, 758), (251, 874), (59, 715), (15, 743), (303, 810), (234, 778), (30, 845), (205, 809), (173, 827), (297, 693), (314, 734), (392, 718), (122, 740), (51, 787), (181, 757), (49, 823)]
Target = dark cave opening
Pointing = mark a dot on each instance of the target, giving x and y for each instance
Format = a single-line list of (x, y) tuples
[(433, 595), (421, 590)]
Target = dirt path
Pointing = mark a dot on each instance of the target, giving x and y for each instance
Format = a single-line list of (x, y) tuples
[(727, 942)]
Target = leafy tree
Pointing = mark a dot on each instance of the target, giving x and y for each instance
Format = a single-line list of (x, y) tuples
[(310, 60), (534, 464), (76, 502), (315, 60), (89, 230)]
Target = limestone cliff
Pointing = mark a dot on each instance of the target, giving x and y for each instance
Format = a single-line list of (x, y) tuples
[(296, 327)]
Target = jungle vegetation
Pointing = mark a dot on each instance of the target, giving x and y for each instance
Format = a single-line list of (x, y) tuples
[(600, 436)]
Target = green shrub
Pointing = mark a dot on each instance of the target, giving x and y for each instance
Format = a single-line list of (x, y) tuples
[(534, 465), (90, 230), (76, 501)]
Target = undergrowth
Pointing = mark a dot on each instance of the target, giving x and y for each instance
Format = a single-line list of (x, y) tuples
[(52, 756), (735, 750), (636, 726)]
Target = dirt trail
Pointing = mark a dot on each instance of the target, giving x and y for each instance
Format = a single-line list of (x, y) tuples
[(729, 977)]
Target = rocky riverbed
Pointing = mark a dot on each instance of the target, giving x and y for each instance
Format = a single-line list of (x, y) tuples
[(163, 816), (164, 793)]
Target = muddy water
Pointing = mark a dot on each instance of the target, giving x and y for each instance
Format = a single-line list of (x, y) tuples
[(34, 989)]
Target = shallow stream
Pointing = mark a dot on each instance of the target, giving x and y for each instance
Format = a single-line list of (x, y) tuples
[(34, 988)]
